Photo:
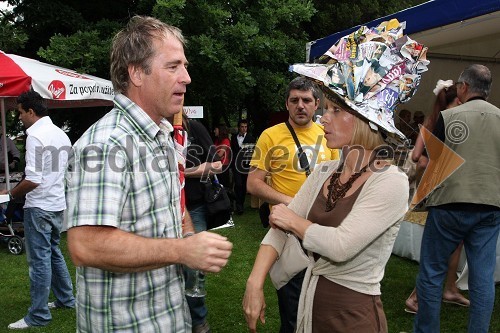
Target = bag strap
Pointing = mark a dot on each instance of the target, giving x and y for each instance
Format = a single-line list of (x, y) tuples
[(304, 162)]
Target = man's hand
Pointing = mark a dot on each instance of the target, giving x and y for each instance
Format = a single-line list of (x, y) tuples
[(206, 251)]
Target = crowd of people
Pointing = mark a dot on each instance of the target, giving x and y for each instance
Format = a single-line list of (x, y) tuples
[(333, 186)]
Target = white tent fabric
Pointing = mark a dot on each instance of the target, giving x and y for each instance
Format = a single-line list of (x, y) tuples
[(60, 87)]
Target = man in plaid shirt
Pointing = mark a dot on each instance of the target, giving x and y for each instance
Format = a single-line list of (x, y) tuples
[(123, 195)]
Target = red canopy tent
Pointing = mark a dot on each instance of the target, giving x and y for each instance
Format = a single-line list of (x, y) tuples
[(60, 87)]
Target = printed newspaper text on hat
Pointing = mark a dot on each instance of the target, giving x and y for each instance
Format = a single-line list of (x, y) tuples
[(372, 70)]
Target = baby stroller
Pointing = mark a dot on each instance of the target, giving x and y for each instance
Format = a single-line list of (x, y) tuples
[(11, 226)]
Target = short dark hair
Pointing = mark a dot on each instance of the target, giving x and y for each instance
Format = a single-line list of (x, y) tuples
[(32, 100), (304, 84), (242, 121)]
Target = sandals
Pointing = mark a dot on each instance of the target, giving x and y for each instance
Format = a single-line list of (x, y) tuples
[(457, 299), (411, 303)]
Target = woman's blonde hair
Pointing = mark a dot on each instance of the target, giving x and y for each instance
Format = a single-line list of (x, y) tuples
[(363, 135)]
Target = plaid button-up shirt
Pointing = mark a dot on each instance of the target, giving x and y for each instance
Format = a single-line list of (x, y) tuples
[(123, 173)]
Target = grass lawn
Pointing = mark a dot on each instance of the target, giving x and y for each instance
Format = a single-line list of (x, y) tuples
[(225, 290)]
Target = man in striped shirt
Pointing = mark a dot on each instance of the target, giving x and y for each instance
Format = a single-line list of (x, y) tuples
[(123, 195)]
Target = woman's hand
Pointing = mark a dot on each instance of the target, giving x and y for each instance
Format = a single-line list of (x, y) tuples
[(254, 306), (285, 219)]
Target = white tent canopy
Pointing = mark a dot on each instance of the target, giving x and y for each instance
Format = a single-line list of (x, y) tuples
[(60, 87)]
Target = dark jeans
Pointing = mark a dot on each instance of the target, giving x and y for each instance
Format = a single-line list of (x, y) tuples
[(240, 189), (288, 301)]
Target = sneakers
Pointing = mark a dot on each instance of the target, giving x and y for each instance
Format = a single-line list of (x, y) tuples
[(19, 325), (202, 328)]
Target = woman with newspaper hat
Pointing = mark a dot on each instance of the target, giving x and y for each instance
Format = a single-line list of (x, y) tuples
[(347, 212)]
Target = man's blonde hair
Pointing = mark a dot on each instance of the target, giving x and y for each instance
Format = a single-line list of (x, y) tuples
[(134, 46)]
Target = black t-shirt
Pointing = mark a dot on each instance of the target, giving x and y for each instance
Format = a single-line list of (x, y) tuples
[(200, 149)]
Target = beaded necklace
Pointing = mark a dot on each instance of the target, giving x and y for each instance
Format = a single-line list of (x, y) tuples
[(337, 190)]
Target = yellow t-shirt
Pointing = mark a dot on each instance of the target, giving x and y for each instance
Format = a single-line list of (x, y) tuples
[(276, 153)]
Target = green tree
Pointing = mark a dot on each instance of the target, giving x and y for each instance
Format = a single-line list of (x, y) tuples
[(239, 50), (12, 39), (239, 53)]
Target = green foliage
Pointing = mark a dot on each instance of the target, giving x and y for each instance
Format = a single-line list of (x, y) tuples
[(169, 11), (83, 51), (239, 50), (13, 125), (11, 38)]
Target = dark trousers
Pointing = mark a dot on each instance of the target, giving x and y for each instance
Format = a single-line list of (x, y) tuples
[(240, 189), (288, 302)]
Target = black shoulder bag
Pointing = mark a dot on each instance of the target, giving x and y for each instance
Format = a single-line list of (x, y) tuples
[(304, 164), (218, 203)]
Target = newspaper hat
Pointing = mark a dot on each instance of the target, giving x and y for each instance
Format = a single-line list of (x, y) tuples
[(372, 70)]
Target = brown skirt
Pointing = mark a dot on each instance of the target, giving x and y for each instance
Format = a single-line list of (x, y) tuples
[(340, 309)]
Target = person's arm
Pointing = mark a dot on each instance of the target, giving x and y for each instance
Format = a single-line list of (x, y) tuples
[(286, 219), (115, 250), (21, 189), (107, 247), (187, 227), (438, 130), (256, 185), (14, 154), (201, 158), (254, 303), (204, 169), (33, 174)]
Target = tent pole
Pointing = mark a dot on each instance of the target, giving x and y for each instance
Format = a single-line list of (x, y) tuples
[(4, 146)]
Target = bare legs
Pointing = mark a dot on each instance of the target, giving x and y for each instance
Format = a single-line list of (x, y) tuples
[(451, 294)]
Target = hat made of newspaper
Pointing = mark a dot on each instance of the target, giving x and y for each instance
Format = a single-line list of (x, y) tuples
[(371, 70)]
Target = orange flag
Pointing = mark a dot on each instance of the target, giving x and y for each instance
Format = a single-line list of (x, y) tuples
[(442, 163)]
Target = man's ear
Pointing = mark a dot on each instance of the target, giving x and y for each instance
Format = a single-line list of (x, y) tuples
[(135, 73)]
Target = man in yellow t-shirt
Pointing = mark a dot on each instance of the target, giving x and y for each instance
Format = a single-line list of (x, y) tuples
[(276, 154)]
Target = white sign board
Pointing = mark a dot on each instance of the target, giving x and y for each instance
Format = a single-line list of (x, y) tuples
[(194, 111)]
